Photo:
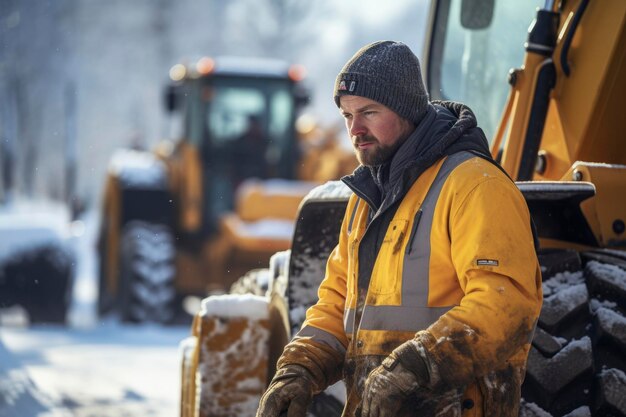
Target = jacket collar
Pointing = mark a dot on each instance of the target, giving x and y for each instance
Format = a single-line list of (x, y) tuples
[(436, 136)]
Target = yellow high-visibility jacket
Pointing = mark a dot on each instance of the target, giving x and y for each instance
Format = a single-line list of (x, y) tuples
[(456, 271)]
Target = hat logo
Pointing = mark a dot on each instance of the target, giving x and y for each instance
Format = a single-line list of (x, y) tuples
[(342, 86)]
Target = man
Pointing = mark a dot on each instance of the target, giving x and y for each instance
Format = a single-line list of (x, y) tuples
[(430, 298), (249, 150)]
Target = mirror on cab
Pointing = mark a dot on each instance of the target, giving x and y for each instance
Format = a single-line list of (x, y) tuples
[(476, 14)]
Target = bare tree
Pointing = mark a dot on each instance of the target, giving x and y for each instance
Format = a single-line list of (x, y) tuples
[(272, 28)]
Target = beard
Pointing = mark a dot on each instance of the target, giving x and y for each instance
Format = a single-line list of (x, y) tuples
[(376, 154)]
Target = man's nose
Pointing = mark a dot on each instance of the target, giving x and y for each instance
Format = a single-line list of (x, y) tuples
[(357, 128)]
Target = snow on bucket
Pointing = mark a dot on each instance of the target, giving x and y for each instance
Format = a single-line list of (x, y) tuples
[(233, 331)]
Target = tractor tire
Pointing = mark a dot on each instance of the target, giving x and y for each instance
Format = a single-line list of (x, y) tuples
[(106, 300), (253, 282), (147, 273), (576, 365)]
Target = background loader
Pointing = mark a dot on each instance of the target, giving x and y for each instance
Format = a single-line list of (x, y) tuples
[(37, 261), (192, 216), (556, 131)]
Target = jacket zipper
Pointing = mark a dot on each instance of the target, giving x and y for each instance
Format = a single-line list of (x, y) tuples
[(416, 222)]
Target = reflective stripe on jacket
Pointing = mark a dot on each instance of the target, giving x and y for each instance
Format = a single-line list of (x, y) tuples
[(457, 271)]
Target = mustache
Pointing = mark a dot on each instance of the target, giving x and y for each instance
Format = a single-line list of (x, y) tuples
[(357, 140)]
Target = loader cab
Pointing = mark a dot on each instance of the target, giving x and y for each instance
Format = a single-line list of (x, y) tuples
[(472, 47), (558, 121), (239, 116)]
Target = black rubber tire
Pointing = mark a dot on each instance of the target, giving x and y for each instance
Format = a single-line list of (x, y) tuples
[(577, 364), (106, 300), (147, 263), (253, 282)]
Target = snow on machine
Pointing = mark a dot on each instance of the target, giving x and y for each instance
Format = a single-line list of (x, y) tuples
[(37, 261)]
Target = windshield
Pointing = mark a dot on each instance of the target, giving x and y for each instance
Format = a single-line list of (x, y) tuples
[(247, 132), (472, 65), (233, 105)]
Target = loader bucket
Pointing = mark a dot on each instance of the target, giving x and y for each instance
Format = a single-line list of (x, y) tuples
[(232, 332), (315, 236)]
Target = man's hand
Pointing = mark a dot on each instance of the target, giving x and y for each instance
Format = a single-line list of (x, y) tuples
[(290, 391), (386, 389)]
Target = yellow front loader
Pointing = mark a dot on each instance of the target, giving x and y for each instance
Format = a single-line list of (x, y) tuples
[(192, 216)]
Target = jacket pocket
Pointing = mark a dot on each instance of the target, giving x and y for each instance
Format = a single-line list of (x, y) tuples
[(387, 273)]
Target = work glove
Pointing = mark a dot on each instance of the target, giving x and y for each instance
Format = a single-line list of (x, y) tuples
[(290, 391), (388, 386)]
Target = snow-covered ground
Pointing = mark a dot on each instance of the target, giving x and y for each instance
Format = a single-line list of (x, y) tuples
[(110, 370), (90, 368)]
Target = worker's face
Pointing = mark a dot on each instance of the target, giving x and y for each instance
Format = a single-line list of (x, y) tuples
[(375, 130)]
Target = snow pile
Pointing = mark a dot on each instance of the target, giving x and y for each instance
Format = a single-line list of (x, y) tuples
[(138, 169), (532, 410), (602, 165), (250, 306), (562, 303), (615, 374), (14, 316), (109, 371), (554, 370), (596, 304), (19, 396), (277, 187), (612, 322), (186, 347), (27, 226), (254, 282), (560, 340), (266, 229), (278, 272), (330, 190), (37, 258), (233, 336), (612, 387), (278, 286), (562, 281), (263, 279), (583, 344), (611, 274)]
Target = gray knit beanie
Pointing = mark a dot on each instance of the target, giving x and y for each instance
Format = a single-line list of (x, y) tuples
[(386, 72)]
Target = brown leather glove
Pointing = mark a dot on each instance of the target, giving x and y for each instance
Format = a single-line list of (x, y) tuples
[(291, 390), (388, 386)]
